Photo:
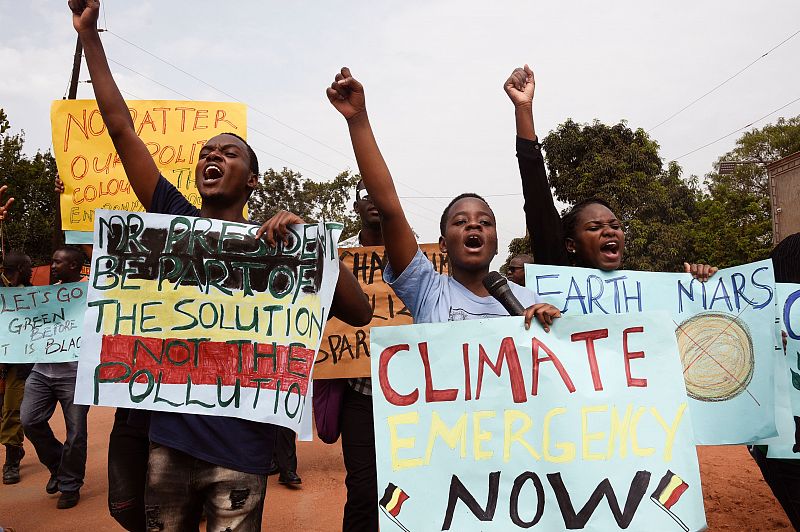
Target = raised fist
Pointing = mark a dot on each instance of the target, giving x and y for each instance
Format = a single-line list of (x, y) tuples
[(84, 14), (520, 86), (347, 95)]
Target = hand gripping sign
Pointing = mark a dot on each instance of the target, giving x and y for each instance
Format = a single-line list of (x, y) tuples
[(194, 315)]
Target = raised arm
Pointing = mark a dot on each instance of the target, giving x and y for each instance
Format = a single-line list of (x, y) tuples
[(347, 96), (139, 165), (541, 216)]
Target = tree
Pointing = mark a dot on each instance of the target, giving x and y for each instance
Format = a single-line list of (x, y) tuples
[(29, 228), (517, 246), (623, 166), (735, 224), (312, 201)]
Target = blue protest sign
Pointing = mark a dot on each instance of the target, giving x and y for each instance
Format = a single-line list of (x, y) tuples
[(787, 376), (482, 425), (42, 323), (725, 330)]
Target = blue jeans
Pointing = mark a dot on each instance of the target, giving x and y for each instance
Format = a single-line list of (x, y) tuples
[(180, 486), (65, 460)]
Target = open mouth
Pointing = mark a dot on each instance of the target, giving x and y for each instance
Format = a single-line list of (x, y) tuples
[(212, 172), (610, 249), (473, 241)]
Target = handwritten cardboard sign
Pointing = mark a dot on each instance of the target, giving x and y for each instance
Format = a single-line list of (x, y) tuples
[(344, 351), (173, 131), (725, 329), (194, 315), (787, 376), (482, 425), (41, 323)]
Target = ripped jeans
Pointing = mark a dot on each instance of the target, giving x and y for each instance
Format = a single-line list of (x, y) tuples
[(180, 487)]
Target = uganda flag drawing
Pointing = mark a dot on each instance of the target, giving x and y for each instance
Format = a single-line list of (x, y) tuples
[(667, 493), (391, 503)]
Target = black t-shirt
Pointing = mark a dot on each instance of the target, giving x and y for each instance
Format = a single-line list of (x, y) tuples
[(230, 442)]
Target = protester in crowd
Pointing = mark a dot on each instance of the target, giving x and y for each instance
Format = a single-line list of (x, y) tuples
[(468, 236), (128, 453), (783, 475), (284, 460), (51, 383), (589, 235), (516, 268), (356, 421), (211, 462), (16, 272), (467, 227)]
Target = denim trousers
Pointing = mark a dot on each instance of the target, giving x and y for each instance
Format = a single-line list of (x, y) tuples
[(180, 487), (128, 451), (65, 460)]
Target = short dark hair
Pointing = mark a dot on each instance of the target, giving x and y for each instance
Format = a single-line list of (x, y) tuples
[(786, 259), (19, 262), (75, 254), (250, 153), (443, 221), (16, 260), (570, 220), (524, 257)]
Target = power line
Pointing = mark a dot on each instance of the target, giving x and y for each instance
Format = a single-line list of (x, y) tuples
[(756, 60), (257, 110), (148, 78), (738, 130), (256, 147), (306, 170)]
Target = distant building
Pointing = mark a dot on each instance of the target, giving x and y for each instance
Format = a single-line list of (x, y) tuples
[(784, 192)]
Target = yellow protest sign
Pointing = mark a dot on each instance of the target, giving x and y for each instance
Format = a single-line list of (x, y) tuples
[(173, 131), (344, 350)]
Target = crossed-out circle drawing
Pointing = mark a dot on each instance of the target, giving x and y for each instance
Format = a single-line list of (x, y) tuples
[(717, 354)]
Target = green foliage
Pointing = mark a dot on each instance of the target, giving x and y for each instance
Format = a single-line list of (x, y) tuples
[(735, 223), (517, 246), (623, 167), (29, 227), (312, 201)]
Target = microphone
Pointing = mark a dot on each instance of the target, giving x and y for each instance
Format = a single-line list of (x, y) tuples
[(497, 285)]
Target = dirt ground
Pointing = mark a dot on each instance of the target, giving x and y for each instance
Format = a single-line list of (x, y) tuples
[(736, 497)]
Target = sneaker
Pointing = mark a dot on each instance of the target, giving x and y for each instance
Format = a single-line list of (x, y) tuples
[(68, 499), (52, 485), (290, 477)]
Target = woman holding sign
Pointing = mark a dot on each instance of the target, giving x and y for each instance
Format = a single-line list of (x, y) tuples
[(589, 235)]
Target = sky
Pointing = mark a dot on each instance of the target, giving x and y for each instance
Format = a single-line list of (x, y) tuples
[(433, 73)]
